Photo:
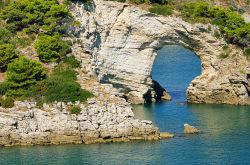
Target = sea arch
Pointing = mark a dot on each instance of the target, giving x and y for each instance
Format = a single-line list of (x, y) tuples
[(122, 41)]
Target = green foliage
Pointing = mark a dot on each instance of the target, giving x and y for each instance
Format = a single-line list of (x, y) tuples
[(51, 48), (161, 9), (230, 22), (71, 61), (7, 54), (7, 102), (22, 74), (224, 55), (139, 1), (32, 14), (145, 1), (5, 35), (75, 110), (62, 86), (83, 1), (247, 53)]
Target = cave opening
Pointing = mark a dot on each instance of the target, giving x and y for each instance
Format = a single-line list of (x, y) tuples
[(174, 68)]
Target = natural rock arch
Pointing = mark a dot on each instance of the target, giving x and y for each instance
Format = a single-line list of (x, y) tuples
[(122, 40)]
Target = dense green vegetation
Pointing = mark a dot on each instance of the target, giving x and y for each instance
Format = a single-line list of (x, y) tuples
[(43, 24), (7, 54), (230, 22), (161, 9), (7, 102), (22, 75), (61, 85), (34, 14), (51, 48), (145, 1)]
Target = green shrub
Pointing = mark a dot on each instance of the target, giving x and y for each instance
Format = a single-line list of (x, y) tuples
[(75, 110), (22, 74), (224, 55), (247, 53), (51, 48), (71, 61), (28, 14), (7, 102), (161, 9), (65, 90), (62, 86), (5, 36), (230, 22), (7, 54)]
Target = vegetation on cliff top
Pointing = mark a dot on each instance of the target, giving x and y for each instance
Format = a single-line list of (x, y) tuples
[(43, 24), (230, 22)]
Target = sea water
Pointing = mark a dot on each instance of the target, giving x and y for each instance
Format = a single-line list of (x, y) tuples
[(225, 137)]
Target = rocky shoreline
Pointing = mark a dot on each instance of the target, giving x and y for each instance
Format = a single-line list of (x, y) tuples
[(117, 55), (99, 121)]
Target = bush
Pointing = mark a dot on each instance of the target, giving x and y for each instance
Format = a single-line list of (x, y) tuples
[(6, 36), (61, 89), (7, 102), (51, 48), (161, 9), (71, 61), (7, 54), (62, 86), (75, 110), (23, 14), (22, 74), (247, 53), (230, 22)]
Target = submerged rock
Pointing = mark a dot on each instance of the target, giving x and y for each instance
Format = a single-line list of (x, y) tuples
[(188, 129), (166, 96), (166, 135)]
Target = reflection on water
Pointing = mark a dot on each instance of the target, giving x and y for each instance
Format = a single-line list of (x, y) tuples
[(225, 137)]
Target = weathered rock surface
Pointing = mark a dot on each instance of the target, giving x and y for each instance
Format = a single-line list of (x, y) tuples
[(122, 41), (188, 129), (166, 135), (98, 122)]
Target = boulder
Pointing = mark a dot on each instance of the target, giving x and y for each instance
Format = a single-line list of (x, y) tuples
[(188, 129), (166, 135)]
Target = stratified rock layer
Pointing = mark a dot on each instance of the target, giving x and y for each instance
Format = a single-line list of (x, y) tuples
[(98, 122), (122, 41)]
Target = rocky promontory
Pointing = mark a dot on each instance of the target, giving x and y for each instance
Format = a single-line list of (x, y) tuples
[(122, 41), (100, 120)]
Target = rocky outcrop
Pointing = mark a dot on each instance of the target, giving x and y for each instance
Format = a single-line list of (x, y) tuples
[(188, 129), (99, 121), (122, 41)]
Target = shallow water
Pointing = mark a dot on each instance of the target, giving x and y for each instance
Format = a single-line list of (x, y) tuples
[(225, 137)]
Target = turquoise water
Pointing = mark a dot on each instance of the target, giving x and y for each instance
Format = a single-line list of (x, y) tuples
[(225, 137)]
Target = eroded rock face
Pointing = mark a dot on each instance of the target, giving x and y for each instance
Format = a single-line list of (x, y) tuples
[(122, 41), (98, 122)]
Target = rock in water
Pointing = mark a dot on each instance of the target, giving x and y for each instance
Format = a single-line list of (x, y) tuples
[(166, 135), (188, 129), (166, 96)]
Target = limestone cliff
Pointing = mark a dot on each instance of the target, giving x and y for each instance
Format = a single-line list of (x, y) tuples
[(122, 41)]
